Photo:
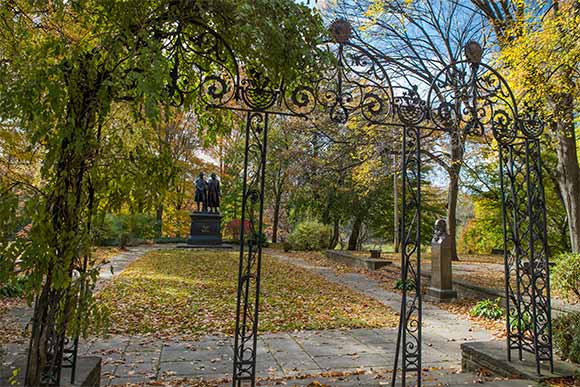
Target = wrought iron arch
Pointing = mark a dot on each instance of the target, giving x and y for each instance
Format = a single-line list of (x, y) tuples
[(472, 97), (467, 97)]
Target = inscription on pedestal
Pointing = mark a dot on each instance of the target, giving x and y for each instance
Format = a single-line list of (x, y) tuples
[(205, 229)]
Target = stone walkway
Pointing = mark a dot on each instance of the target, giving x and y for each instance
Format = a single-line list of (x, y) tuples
[(141, 359)]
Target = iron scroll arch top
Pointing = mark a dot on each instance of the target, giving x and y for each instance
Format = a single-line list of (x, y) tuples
[(355, 84), (351, 82), (472, 96)]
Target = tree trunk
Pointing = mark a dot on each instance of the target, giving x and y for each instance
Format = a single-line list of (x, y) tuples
[(65, 203), (354, 235), (159, 221), (453, 191), (276, 219), (396, 220), (335, 234), (37, 359), (568, 171)]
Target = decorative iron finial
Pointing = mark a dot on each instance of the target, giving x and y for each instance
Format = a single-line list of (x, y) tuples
[(341, 30), (473, 52)]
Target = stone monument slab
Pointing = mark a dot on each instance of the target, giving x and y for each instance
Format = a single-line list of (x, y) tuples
[(205, 229)]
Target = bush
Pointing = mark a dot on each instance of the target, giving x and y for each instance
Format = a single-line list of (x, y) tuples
[(310, 235), (485, 231), (489, 309), (567, 336), (399, 285), (566, 276), (124, 230), (14, 288), (525, 323)]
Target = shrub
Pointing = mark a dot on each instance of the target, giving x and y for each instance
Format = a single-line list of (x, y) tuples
[(485, 231), (310, 235), (525, 323), (567, 336), (490, 309), (14, 288), (124, 230), (399, 285), (566, 276), (176, 223)]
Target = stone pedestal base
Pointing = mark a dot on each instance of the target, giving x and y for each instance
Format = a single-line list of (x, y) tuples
[(205, 229), (440, 295), (88, 373)]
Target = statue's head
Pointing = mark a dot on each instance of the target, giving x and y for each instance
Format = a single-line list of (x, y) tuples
[(213, 175), (441, 226)]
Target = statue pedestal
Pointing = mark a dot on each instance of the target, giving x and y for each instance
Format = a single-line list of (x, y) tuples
[(441, 289), (205, 229)]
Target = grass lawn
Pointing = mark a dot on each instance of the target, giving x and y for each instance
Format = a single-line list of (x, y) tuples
[(191, 293)]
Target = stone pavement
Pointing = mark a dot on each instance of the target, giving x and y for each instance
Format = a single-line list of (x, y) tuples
[(438, 324), (141, 359)]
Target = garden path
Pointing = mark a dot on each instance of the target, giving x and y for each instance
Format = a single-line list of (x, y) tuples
[(138, 359), (283, 355)]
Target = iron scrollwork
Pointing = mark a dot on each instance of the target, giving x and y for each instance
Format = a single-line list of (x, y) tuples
[(469, 97), (246, 330), (411, 112), (466, 96), (527, 282)]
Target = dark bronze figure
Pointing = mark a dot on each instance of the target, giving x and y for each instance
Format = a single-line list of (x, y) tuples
[(201, 193), (214, 194)]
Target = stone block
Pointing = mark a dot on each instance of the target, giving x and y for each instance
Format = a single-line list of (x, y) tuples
[(492, 356), (88, 373), (205, 229)]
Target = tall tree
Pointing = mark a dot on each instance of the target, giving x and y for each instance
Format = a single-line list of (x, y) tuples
[(416, 40), (539, 45)]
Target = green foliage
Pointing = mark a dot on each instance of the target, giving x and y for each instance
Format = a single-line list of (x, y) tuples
[(124, 229), (399, 285), (524, 323), (566, 276), (490, 309), (13, 379), (86, 82), (485, 231), (567, 336), (310, 235), (14, 288)]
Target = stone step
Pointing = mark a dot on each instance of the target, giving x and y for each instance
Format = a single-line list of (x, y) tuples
[(430, 379), (492, 356)]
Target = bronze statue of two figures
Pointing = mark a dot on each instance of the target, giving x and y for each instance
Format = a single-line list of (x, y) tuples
[(207, 193), (206, 220)]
